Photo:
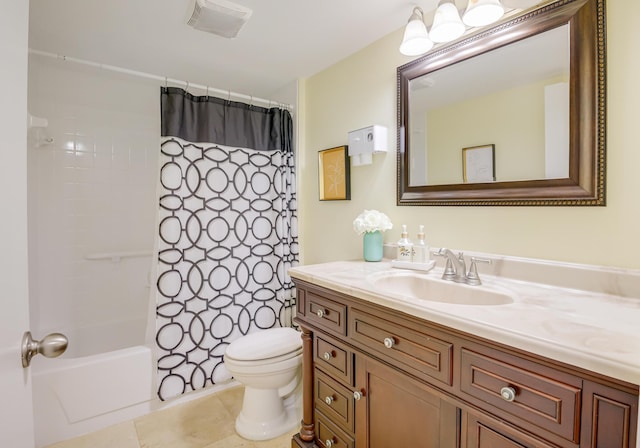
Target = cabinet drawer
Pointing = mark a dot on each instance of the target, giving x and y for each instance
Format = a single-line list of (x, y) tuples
[(334, 358), (325, 430), (334, 400), (325, 313), (484, 432), (536, 398), (422, 354)]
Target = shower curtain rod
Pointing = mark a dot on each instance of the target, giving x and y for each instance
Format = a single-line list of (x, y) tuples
[(164, 79)]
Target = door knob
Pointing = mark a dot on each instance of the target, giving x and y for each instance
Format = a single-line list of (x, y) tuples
[(51, 346)]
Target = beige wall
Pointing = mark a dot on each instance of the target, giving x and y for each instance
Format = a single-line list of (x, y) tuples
[(361, 90), (499, 119)]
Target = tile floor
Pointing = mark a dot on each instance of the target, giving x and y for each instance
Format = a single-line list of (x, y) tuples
[(204, 423)]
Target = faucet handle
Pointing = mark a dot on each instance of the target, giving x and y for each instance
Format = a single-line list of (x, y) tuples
[(449, 272), (472, 277)]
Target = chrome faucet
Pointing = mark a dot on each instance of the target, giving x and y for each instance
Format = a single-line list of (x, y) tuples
[(456, 268)]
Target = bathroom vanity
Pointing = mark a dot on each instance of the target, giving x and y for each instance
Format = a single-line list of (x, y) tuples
[(393, 359)]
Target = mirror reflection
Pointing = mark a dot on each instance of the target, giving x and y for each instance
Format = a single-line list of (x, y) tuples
[(496, 118)]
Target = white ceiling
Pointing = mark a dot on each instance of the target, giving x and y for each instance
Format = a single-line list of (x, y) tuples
[(283, 40)]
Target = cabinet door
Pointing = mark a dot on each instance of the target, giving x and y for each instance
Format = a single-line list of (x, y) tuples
[(396, 411), (485, 432), (609, 417)]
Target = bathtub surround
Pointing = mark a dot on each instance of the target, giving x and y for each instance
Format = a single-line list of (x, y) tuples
[(91, 192), (227, 233)]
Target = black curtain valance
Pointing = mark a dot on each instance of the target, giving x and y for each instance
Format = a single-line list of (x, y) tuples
[(201, 119)]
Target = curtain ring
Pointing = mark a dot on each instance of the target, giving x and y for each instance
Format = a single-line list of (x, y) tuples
[(228, 96), (251, 102), (186, 89), (165, 82), (207, 92)]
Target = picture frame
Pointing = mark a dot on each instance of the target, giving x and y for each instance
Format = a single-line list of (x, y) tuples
[(334, 174), (478, 164)]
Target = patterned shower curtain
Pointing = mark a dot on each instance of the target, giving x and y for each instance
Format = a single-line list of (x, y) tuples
[(227, 233)]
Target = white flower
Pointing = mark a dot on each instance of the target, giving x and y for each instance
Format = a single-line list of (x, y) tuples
[(371, 221)]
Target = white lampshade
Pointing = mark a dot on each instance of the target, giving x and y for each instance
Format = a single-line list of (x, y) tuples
[(482, 12), (416, 39), (447, 25)]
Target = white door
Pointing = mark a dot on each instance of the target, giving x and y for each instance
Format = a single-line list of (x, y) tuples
[(16, 414)]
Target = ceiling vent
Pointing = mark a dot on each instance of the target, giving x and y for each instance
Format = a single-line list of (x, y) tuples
[(219, 17)]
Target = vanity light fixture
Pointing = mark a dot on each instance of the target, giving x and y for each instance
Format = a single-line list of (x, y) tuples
[(416, 39), (482, 12), (447, 24)]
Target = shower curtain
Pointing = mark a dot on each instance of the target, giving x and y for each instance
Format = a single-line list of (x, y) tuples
[(227, 233)]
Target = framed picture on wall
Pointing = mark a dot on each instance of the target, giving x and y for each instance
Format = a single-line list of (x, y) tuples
[(334, 174), (478, 164)]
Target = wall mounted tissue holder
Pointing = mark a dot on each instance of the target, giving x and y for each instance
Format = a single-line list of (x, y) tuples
[(363, 143)]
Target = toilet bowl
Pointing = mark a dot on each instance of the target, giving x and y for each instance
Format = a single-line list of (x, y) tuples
[(269, 364)]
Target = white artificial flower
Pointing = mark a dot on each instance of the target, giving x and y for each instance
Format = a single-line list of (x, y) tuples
[(371, 221)]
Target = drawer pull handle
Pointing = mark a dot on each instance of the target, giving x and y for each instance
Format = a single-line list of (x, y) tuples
[(328, 400), (328, 443), (357, 395), (320, 313), (326, 356), (508, 393), (389, 342)]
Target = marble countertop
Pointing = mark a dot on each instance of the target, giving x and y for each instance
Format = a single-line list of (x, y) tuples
[(591, 329)]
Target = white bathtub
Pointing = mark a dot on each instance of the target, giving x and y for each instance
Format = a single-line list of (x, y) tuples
[(98, 382)]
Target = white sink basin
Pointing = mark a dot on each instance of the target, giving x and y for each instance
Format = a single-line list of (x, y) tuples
[(432, 289)]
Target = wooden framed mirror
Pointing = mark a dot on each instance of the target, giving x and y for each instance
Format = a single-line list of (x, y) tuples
[(532, 88)]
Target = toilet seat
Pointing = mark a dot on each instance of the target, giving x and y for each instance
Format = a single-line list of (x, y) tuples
[(270, 345)]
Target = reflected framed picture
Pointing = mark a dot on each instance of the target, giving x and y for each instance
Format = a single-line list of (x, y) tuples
[(334, 174), (478, 164)]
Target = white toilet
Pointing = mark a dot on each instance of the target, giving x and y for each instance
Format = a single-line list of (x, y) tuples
[(269, 364)]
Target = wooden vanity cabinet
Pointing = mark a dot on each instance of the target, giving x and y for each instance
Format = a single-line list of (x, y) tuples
[(378, 378)]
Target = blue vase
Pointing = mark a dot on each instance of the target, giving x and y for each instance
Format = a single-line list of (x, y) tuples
[(372, 246)]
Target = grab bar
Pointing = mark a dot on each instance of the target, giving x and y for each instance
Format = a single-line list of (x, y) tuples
[(115, 257)]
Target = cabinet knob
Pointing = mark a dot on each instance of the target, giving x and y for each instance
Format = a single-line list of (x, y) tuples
[(328, 400), (357, 395), (508, 393), (389, 342), (328, 443), (320, 313), (326, 356)]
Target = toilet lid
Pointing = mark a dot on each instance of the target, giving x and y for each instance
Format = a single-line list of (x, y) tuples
[(265, 344)]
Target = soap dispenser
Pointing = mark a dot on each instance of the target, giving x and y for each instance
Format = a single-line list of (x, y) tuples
[(405, 246), (420, 248)]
